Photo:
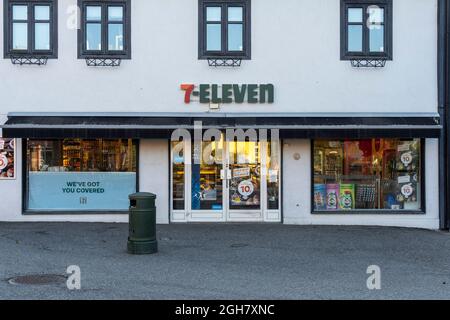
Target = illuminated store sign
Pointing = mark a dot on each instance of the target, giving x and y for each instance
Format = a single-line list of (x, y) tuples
[(229, 93)]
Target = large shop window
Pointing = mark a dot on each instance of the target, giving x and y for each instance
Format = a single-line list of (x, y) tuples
[(364, 175), (31, 28), (105, 29), (224, 29), (366, 29), (80, 175)]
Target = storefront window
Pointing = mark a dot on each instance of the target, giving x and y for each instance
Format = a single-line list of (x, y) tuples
[(372, 174), (81, 175), (207, 185), (273, 175)]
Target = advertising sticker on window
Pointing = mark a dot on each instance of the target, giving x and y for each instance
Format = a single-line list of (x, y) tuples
[(7, 159)]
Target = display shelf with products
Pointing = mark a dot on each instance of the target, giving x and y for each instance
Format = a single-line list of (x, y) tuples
[(381, 174), (77, 155), (207, 191), (178, 177), (72, 154)]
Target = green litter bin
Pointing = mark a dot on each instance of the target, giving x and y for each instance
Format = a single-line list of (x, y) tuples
[(142, 224)]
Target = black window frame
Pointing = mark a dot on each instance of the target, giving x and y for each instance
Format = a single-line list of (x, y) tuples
[(25, 184), (388, 30), (245, 54), (360, 212), (8, 29), (105, 53)]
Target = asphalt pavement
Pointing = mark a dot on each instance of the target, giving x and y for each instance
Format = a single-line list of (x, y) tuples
[(230, 261)]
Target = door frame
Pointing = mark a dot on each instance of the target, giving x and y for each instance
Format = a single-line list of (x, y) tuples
[(251, 215), (264, 214)]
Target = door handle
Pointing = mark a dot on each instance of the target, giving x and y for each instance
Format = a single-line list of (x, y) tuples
[(225, 174)]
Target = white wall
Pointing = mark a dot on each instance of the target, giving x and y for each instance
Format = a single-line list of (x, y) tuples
[(295, 46), (297, 193), (154, 174)]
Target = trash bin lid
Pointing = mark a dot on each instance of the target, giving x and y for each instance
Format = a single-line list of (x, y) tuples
[(142, 195)]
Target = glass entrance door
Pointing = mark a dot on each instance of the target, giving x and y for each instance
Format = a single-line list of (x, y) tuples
[(226, 181), (244, 183), (207, 181)]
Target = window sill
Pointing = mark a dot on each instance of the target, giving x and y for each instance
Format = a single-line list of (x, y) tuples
[(366, 57), (224, 57), (105, 56)]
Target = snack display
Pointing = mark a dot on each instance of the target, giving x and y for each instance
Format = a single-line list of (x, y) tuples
[(332, 196), (367, 174), (320, 194), (347, 196)]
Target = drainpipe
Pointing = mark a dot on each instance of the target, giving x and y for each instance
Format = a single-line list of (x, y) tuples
[(443, 90)]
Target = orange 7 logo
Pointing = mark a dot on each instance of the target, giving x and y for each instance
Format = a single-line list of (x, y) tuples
[(188, 88)]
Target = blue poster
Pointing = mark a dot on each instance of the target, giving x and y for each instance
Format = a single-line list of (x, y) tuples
[(80, 190)]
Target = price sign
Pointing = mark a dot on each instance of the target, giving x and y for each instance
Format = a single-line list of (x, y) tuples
[(406, 158), (407, 190), (246, 188)]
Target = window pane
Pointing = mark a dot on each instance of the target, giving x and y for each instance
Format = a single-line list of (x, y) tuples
[(20, 13), (273, 175), (115, 36), (355, 38), (93, 13), (207, 192), (355, 15), (235, 14), (377, 39), (213, 14), (20, 36), (213, 37), (235, 37), (93, 36), (245, 183), (178, 175), (115, 13), (376, 15), (370, 174), (81, 175), (42, 36), (42, 13)]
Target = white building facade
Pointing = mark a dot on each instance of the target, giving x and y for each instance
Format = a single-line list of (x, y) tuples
[(341, 94)]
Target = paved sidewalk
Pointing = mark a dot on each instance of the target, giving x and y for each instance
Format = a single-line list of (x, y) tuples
[(227, 262)]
